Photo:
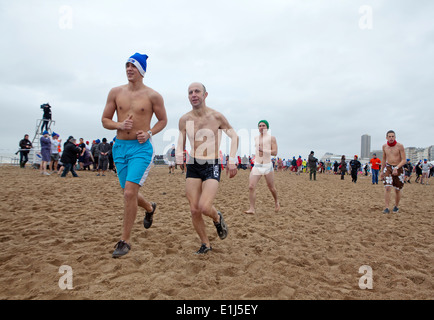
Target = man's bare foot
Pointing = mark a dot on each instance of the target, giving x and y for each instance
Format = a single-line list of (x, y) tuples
[(277, 207), (250, 211)]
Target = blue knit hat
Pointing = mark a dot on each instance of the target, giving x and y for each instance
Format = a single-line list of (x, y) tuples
[(139, 60)]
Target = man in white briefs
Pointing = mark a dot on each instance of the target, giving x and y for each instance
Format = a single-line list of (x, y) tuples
[(265, 147)]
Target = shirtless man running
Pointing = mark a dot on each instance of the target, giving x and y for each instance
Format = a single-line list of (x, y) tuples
[(265, 147), (393, 174), (134, 104), (203, 127)]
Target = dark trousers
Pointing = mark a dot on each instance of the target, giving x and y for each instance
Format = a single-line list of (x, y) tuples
[(354, 175), (45, 124), (69, 167), (95, 163), (312, 172), (24, 157)]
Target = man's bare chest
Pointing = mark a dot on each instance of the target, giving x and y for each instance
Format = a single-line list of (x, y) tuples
[(133, 104), (203, 125), (393, 154)]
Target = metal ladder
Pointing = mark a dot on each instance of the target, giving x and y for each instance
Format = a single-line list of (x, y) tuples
[(35, 152)]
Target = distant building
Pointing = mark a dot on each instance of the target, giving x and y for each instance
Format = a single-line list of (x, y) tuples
[(379, 154), (416, 154), (332, 157), (366, 147), (412, 153)]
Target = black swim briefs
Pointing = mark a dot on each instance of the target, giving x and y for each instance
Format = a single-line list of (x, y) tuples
[(204, 169)]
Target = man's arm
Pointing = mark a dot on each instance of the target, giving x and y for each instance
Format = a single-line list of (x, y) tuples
[(227, 128), (230, 132), (383, 162), (179, 155), (273, 146), (402, 154), (160, 112)]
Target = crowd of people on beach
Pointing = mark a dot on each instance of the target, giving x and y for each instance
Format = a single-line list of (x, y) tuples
[(342, 168), (97, 157), (71, 157)]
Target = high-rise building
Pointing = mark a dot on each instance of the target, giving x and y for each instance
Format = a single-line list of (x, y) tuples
[(416, 154), (366, 147)]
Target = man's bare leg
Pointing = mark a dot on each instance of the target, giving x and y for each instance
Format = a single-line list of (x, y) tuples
[(387, 196), (143, 203), (397, 197), (253, 181), (193, 189), (131, 195), (209, 192), (270, 183)]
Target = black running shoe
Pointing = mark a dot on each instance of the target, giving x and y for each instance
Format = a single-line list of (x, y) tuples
[(386, 210), (122, 248), (222, 228), (147, 221), (203, 249), (395, 209)]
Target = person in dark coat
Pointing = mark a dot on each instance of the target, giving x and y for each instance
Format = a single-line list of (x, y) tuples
[(343, 167), (25, 146), (312, 163), (69, 156), (355, 166)]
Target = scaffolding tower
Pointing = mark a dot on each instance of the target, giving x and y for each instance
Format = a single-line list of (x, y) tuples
[(35, 152)]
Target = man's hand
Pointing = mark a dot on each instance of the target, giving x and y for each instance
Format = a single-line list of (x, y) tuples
[(127, 124), (179, 158), (142, 136), (232, 170)]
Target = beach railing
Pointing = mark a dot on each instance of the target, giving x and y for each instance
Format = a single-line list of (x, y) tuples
[(4, 160)]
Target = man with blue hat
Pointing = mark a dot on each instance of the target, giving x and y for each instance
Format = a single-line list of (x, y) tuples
[(45, 152), (134, 104), (426, 167), (408, 169), (55, 156)]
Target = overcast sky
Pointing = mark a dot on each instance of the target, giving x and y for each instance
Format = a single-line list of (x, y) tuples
[(322, 72)]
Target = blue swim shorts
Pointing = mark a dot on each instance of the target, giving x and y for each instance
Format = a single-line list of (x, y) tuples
[(133, 160)]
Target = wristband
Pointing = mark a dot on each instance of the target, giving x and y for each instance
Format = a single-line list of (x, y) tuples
[(150, 133)]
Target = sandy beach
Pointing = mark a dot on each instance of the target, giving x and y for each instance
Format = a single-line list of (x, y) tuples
[(312, 249)]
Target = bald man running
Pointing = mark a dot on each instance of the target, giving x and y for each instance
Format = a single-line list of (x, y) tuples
[(202, 126)]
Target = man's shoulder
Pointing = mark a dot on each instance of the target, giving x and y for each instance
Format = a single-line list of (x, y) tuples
[(118, 89), (186, 116), (214, 112), (151, 93)]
